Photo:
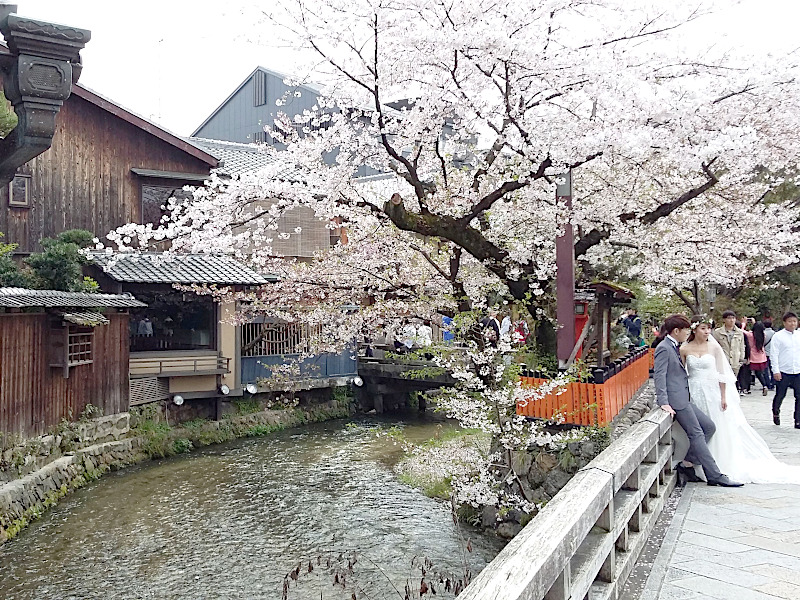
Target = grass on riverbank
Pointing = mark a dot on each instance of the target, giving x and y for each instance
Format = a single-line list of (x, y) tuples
[(160, 440)]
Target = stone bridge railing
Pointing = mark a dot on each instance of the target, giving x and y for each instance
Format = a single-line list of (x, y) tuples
[(585, 542)]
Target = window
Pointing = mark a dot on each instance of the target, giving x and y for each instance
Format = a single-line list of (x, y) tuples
[(259, 88), (19, 191), (79, 345), (173, 321), (70, 345), (273, 338), (156, 196)]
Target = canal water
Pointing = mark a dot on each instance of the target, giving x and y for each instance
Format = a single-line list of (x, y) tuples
[(231, 520)]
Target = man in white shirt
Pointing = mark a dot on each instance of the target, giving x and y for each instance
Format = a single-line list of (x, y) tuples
[(784, 354)]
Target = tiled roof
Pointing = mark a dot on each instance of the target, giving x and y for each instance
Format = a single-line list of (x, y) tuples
[(22, 298), (185, 269), (238, 158), (87, 318)]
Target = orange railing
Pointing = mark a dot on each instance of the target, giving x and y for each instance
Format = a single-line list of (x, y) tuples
[(595, 403)]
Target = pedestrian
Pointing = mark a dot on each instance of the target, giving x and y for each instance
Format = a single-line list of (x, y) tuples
[(731, 338), (505, 326), (768, 333), (784, 353), (521, 332), (447, 329), (633, 326), (425, 334), (758, 356), (491, 328), (744, 380)]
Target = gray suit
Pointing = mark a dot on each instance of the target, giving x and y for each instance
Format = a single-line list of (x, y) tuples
[(672, 387)]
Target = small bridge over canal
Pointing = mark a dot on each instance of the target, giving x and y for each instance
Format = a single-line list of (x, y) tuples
[(389, 383), (719, 543)]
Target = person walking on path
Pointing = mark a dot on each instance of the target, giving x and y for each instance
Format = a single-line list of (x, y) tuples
[(672, 395), (758, 355), (784, 352), (768, 333), (731, 339)]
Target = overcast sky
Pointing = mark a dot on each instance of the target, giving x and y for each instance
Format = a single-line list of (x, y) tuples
[(175, 61)]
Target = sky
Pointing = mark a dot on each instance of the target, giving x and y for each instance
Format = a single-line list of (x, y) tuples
[(174, 61)]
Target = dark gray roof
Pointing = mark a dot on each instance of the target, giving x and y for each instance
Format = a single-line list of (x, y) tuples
[(175, 268), (22, 298), (238, 158)]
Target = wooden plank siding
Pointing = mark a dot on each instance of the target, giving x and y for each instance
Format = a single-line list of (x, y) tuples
[(84, 181), (34, 397)]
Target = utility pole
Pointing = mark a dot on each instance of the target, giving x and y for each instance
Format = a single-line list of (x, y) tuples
[(565, 277)]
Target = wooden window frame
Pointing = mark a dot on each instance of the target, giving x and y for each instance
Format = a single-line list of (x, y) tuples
[(26, 201), (70, 346)]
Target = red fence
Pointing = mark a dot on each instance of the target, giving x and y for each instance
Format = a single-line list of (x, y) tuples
[(594, 403)]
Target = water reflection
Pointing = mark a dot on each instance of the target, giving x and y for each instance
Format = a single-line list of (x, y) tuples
[(231, 521)]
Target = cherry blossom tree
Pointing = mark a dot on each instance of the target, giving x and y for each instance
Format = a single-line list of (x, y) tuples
[(664, 140)]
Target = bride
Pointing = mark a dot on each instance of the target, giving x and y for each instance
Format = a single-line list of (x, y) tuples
[(736, 447)]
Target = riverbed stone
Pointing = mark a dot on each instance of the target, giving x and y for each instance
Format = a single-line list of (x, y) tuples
[(521, 463), (536, 475), (546, 461), (539, 496), (556, 480), (489, 516), (508, 529), (588, 449)]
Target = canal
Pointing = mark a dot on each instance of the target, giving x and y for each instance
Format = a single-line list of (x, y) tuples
[(230, 521)]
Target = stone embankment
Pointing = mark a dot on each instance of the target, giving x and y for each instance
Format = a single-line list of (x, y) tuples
[(36, 473), (543, 472)]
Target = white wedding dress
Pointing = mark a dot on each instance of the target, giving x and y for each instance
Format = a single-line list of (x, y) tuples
[(740, 452)]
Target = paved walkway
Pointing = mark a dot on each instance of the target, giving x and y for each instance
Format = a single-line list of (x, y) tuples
[(736, 544)]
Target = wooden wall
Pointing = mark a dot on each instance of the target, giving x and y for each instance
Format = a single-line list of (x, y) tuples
[(84, 180), (34, 396)]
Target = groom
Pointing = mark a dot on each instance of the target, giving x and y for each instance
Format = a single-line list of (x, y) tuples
[(672, 395)]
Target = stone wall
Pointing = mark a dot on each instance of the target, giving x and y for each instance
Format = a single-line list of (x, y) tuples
[(26, 498), (541, 473), (20, 457)]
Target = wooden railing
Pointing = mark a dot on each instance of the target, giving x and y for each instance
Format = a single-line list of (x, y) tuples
[(586, 541), (596, 402), (177, 365)]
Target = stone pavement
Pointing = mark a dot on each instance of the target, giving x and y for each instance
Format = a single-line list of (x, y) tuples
[(741, 543)]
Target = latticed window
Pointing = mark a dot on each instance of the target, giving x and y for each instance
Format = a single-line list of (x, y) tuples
[(271, 339), (79, 345)]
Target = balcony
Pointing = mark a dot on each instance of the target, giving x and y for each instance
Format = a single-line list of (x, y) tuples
[(177, 364)]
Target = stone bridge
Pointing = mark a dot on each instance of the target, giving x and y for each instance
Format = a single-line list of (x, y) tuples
[(604, 535)]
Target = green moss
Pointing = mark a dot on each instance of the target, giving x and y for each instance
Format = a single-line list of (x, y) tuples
[(37, 510), (182, 445), (246, 407)]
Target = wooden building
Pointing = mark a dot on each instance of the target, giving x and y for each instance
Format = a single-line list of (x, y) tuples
[(106, 167), (59, 355), (181, 343)]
